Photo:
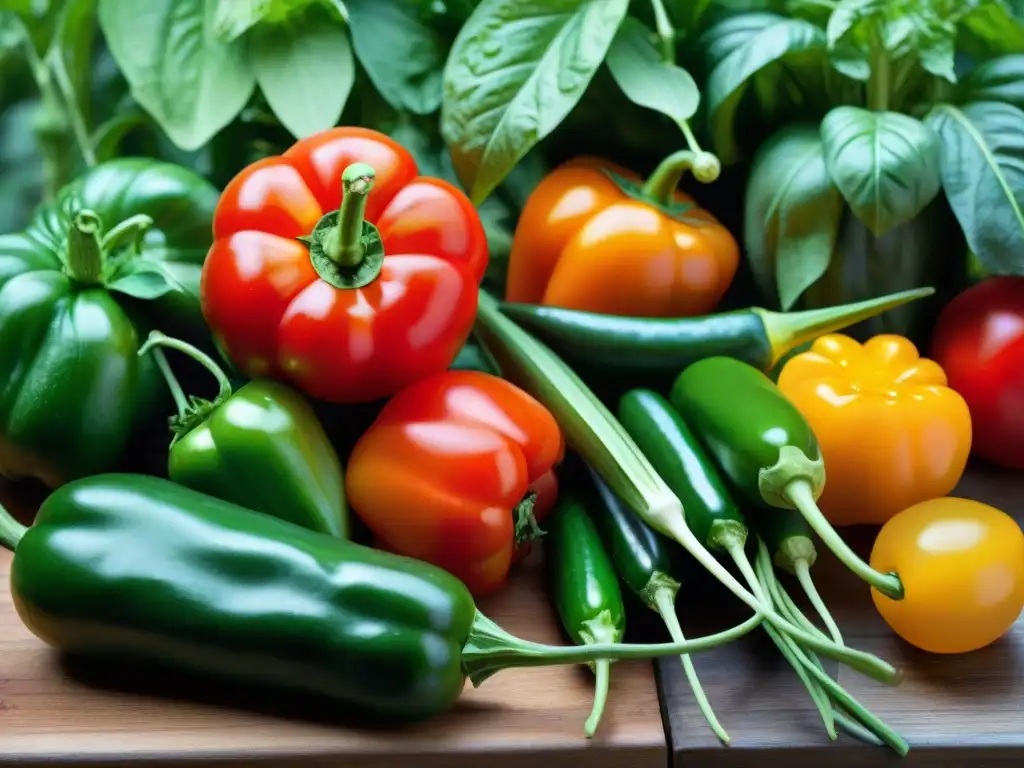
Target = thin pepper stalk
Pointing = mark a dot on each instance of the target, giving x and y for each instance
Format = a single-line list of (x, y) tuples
[(592, 431)]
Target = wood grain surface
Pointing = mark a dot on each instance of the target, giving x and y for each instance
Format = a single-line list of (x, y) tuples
[(53, 712), (953, 710)]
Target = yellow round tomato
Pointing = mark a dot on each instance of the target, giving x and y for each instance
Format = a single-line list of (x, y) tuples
[(962, 567)]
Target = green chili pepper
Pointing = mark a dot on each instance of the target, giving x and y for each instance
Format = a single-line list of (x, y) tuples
[(643, 561), (261, 447), (585, 589), (139, 567), (597, 436), (642, 345), (120, 251), (765, 447)]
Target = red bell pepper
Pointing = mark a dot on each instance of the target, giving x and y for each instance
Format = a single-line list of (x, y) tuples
[(979, 342), (338, 268), (456, 470)]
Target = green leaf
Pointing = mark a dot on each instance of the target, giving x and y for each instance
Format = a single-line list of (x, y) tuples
[(982, 166), (236, 17), (792, 214), (141, 280), (72, 46), (743, 47), (992, 30), (106, 139), (646, 79), (849, 33), (402, 57), (515, 71), (884, 163), (999, 79), (305, 70), (189, 81)]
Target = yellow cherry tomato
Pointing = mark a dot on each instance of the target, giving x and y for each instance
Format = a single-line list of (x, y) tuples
[(962, 567)]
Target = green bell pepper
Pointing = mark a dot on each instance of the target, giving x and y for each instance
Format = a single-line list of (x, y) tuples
[(121, 250), (261, 447), (138, 567)]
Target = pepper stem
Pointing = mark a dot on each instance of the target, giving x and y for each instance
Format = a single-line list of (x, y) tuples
[(195, 410), (344, 243), (802, 569), (788, 330), (132, 229), (800, 494), (491, 649), (11, 531), (661, 185), (526, 527), (665, 603), (599, 631), (84, 260)]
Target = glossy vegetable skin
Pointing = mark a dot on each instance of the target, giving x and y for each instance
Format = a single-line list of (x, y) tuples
[(349, 289), (585, 589), (261, 447), (118, 252), (137, 567), (962, 563), (593, 237), (891, 432), (608, 343), (979, 342), (764, 447), (457, 470)]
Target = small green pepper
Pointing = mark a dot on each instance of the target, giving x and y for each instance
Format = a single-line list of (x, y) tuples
[(133, 566), (765, 447), (261, 447), (585, 589)]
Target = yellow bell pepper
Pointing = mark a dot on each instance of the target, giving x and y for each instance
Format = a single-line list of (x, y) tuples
[(892, 433)]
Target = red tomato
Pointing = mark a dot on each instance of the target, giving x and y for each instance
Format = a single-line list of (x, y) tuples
[(278, 311), (979, 342), (441, 472)]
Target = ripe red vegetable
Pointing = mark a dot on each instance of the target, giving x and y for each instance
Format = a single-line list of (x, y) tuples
[(349, 290), (447, 473), (979, 341)]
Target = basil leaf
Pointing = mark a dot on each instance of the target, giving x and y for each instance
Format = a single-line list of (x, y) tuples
[(516, 69), (646, 79), (305, 70), (982, 167), (792, 214), (236, 17), (849, 35), (747, 47), (402, 57), (141, 280), (884, 163), (999, 79), (191, 83)]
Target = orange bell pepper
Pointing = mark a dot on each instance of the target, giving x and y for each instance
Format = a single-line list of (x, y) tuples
[(594, 237), (892, 433)]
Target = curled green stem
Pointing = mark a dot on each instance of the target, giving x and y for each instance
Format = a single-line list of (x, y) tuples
[(663, 600), (800, 494), (131, 230), (662, 184), (158, 339), (602, 672), (803, 575)]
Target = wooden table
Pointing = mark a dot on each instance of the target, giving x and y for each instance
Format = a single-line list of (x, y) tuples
[(528, 717), (954, 711)]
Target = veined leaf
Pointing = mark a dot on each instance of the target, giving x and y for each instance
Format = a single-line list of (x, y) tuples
[(849, 41), (884, 163), (982, 166), (646, 79), (792, 213), (991, 29), (741, 48), (999, 79), (515, 71)]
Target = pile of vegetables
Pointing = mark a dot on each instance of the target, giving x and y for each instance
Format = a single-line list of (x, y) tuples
[(390, 275)]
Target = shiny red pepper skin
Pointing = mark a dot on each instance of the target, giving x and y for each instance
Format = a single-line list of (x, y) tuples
[(273, 312)]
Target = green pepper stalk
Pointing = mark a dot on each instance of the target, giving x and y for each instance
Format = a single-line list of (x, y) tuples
[(593, 432), (850, 713), (642, 560), (262, 447), (765, 447), (88, 257), (585, 589)]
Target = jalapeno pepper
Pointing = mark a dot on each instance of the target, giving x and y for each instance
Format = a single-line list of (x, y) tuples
[(585, 589), (765, 447), (631, 346), (261, 447), (141, 567)]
